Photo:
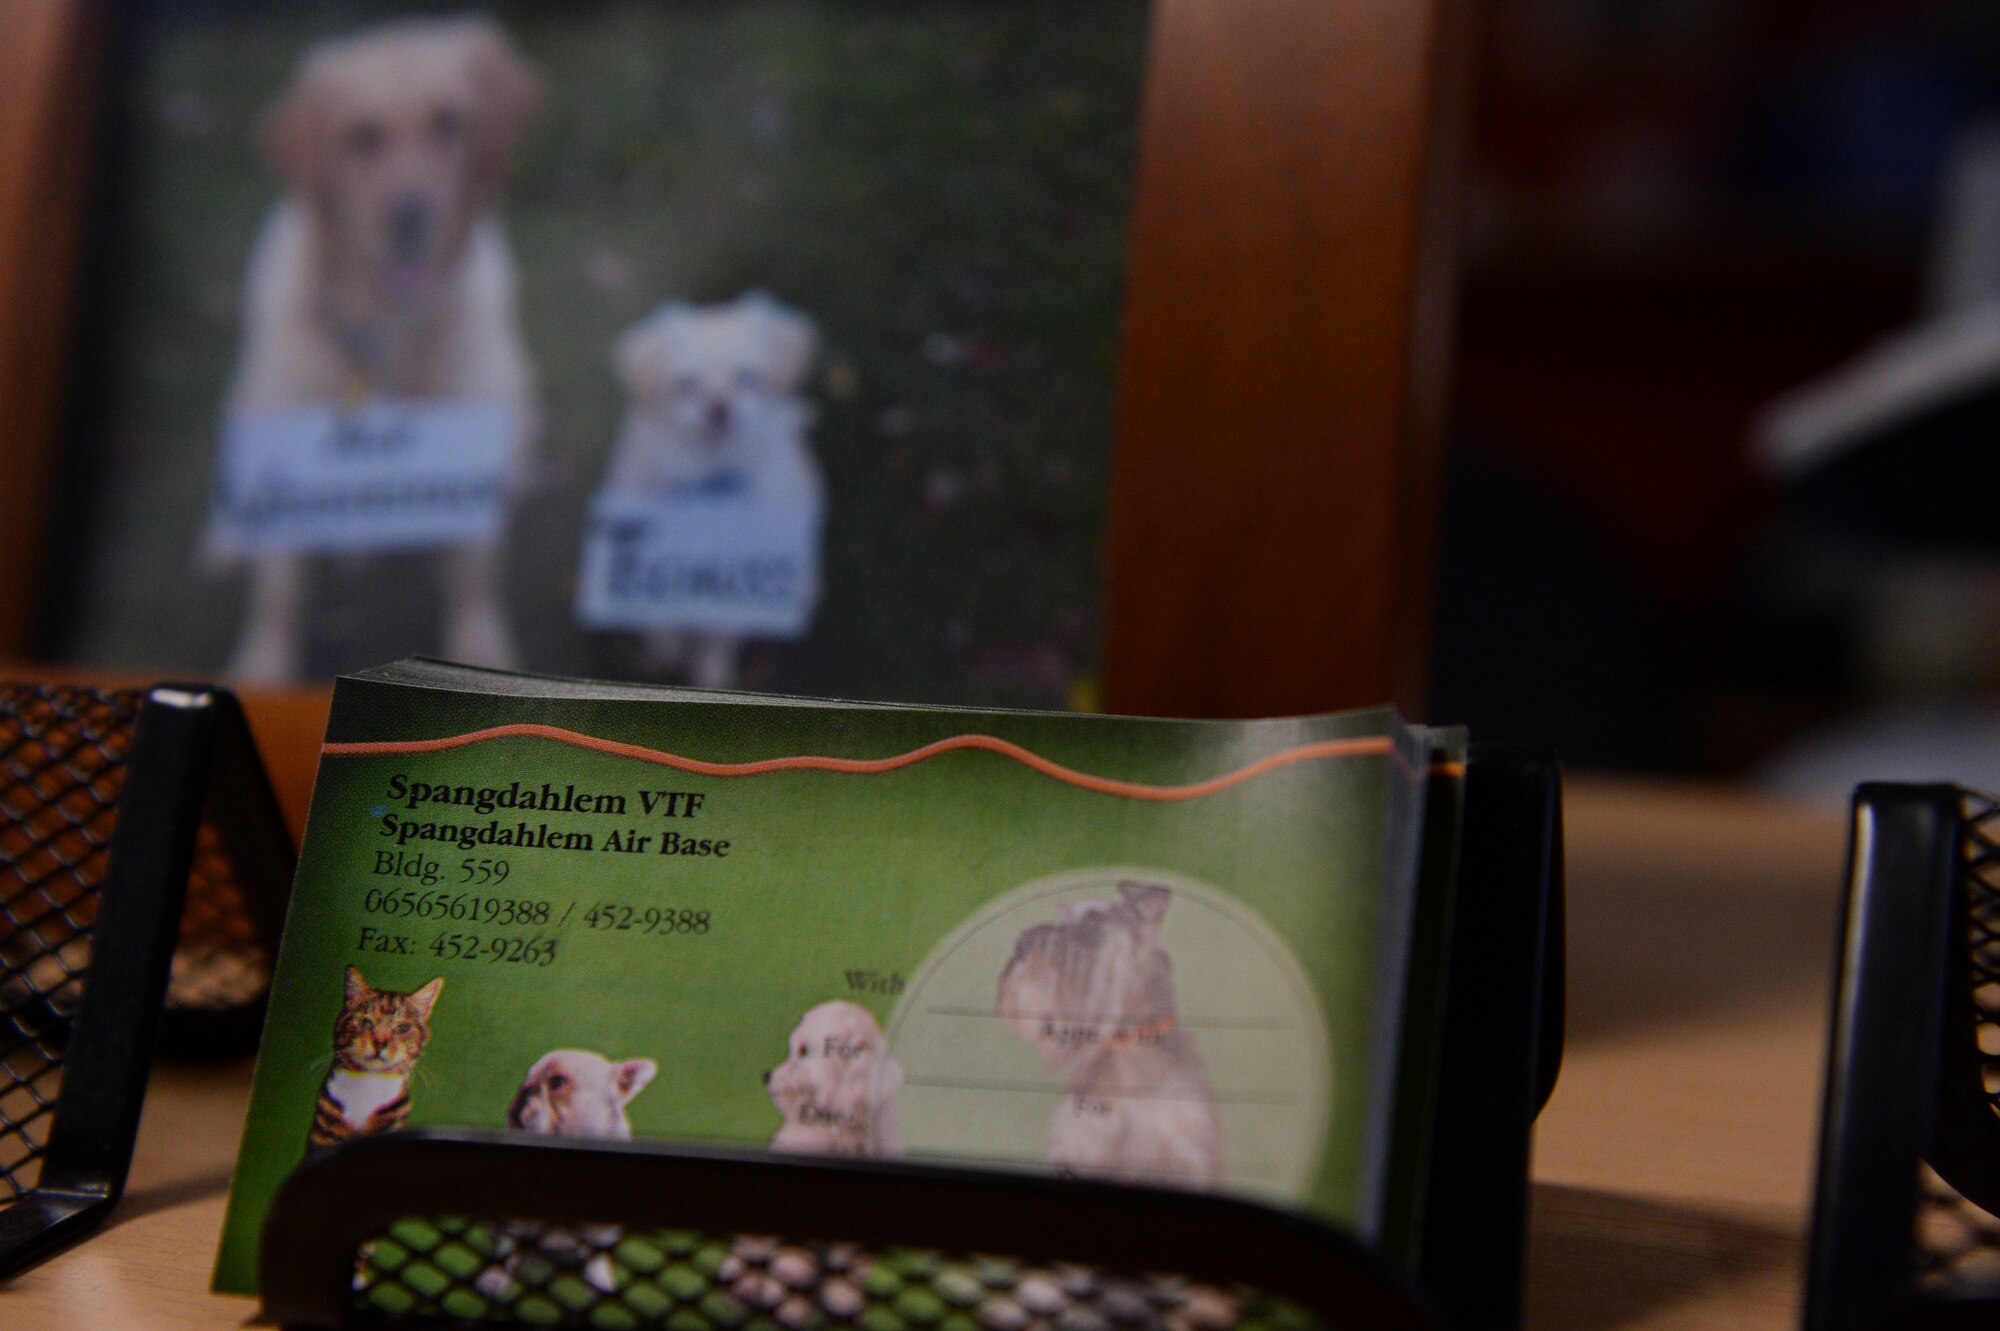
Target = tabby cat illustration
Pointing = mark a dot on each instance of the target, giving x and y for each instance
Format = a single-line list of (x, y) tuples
[(376, 1042)]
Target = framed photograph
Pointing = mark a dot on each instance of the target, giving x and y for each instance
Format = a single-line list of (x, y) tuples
[(772, 344)]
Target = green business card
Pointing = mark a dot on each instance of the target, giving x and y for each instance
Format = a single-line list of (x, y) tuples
[(1173, 952)]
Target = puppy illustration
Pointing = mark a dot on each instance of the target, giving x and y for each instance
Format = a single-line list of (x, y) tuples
[(713, 408), (384, 270), (568, 1093), (837, 1087), (575, 1093), (1094, 993)]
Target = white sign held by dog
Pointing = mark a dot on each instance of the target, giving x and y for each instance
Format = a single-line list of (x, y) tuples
[(732, 559), (379, 475)]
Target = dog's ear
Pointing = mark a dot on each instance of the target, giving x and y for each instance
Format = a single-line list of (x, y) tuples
[(644, 358), (295, 131), (509, 92), (1150, 901), (789, 340), (517, 1107), (630, 1077)]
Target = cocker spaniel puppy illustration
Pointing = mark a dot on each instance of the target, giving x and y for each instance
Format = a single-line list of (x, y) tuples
[(837, 1087)]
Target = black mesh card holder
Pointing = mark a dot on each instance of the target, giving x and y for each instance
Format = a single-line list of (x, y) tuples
[(437, 1227), (118, 899), (789, 1244), (1906, 1228)]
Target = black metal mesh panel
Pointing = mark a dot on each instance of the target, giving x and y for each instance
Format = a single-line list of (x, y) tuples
[(1958, 1239), (1980, 881), (1958, 1243), (457, 1271), (63, 754), (62, 765), (63, 734), (219, 962)]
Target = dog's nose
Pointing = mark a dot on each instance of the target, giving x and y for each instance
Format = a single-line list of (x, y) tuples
[(767, 1075), (409, 219)]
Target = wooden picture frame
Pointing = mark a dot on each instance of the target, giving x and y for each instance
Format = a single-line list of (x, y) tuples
[(47, 61), (1281, 380)]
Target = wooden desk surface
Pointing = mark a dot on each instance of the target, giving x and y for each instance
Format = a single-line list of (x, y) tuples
[(1673, 1167)]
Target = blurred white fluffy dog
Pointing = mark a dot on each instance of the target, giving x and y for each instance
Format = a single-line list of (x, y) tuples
[(384, 270), (1094, 993), (712, 405), (837, 1087)]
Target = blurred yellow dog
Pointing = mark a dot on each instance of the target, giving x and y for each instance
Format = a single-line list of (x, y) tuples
[(383, 270)]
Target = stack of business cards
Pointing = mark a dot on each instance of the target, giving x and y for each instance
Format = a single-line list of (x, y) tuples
[(1183, 953)]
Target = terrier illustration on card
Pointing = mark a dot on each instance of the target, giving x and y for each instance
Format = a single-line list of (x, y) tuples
[(1094, 993)]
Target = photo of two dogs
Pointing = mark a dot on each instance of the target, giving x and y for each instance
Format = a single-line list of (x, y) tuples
[(384, 270)]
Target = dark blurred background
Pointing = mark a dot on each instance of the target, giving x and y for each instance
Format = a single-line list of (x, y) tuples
[(1677, 211), (1686, 223)]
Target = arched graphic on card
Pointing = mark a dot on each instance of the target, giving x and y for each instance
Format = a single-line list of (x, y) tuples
[(1121, 1022)]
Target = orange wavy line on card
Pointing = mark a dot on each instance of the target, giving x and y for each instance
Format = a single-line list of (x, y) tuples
[(1333, 748)]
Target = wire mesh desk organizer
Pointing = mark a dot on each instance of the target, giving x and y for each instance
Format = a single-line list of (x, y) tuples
[(118, 898), (431, 1227), (1906, 1227)]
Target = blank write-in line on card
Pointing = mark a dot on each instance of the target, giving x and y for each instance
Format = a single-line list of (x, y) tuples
[(1044, 1088), (1186, 1023)]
